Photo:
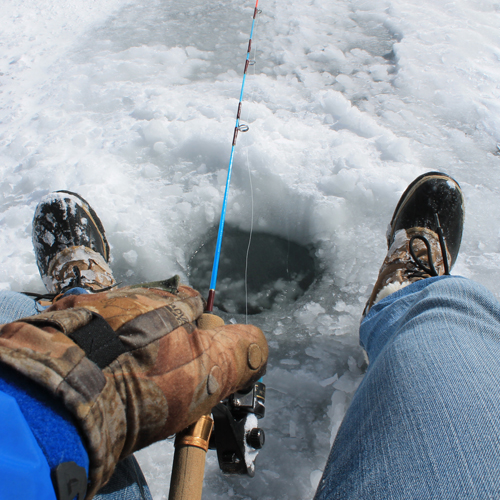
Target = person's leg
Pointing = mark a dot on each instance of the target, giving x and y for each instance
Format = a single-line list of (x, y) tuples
[(72, 254), (425, 422), (15, 305), (127, 483)]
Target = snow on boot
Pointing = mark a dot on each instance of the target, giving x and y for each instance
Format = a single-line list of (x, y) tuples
[(70, 245), (424, 234)]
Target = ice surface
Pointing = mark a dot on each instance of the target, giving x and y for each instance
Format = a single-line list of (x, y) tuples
[(132, 105)]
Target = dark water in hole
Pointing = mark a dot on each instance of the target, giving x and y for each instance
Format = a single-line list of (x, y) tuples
[(279, 271)]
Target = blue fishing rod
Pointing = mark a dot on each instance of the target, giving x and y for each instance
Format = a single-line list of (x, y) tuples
[(236, 435), (237, 128)]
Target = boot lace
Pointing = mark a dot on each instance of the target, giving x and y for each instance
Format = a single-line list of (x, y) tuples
[(76, 282), (430, 269)]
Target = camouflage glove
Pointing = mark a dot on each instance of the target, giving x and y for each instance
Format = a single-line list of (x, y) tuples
[(132, 366)]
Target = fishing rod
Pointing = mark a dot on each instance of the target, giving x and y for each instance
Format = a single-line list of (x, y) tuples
[(237, 128), (235, 436)]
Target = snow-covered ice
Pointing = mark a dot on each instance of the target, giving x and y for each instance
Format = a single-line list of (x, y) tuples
[(132, 105)]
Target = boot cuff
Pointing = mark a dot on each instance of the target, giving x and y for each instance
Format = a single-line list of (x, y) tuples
[(94, 271), (390, 288)]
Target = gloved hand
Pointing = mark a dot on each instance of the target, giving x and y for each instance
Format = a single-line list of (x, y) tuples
[(132, 366)]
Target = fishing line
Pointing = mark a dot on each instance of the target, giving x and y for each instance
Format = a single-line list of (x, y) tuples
[(249, 240), (251, 98)]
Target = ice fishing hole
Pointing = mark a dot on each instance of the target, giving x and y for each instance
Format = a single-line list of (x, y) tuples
[(279, 271)]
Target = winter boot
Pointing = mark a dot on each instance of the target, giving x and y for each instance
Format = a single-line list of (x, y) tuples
[(424, 234), (70, 245)]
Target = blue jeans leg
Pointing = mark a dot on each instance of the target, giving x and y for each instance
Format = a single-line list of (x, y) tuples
[(425, 421), (126, 483), (15, 305)]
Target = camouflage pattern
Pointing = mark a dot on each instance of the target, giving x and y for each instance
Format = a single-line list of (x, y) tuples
[(399, 267), (94, 271), (173, 372), (65, 220)]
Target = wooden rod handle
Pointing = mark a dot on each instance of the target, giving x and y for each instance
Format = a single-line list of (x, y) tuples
[(191, 447)]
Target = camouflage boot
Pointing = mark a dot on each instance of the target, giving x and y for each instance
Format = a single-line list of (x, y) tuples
[(70, 245), (424, 235)]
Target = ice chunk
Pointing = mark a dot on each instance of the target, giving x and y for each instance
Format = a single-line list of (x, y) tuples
[(348, 382), (329, 381), (315, 478), (290, 362), (309, 313), (131, 257)]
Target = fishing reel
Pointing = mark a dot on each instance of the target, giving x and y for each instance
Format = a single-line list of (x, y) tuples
[(236, 435)]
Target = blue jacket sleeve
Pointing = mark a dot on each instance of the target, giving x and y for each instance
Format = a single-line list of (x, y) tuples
[(36, 435), (24, 470)]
